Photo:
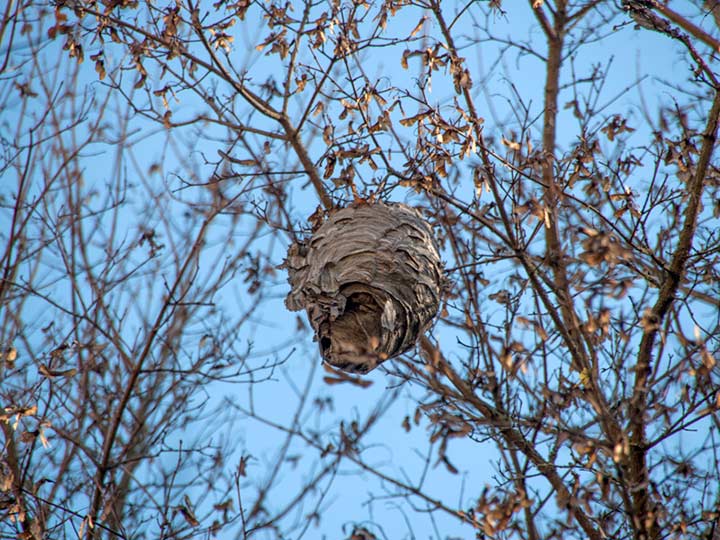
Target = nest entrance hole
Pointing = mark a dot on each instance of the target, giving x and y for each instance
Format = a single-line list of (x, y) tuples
[(356, 335)]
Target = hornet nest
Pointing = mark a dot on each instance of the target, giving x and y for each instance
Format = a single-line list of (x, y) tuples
[(370, 279)]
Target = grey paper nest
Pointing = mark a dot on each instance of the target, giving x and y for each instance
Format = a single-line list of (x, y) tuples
[(370, 279)]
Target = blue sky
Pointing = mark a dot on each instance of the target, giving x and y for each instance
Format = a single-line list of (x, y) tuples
[(639, 63)]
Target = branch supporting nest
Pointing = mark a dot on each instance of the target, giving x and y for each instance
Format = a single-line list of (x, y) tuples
[(370, 279)]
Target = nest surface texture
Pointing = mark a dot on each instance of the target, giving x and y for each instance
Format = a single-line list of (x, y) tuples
[(370, 279)]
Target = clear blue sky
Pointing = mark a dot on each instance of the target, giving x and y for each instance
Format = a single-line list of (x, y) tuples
[(632, 56)]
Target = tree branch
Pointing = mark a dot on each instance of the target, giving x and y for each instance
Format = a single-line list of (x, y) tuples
[(514, 437), (673, 278)]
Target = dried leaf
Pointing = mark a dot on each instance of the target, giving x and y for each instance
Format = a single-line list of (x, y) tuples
[(189, 516), (361, 533), (86, 522), (512, 145), (407, 122), (542, 334), (501, 297), (450, 467), (328, 134), (45, 371), (418, 26), (140, 82), (585, 378), (9, 355), (43, 439), (187, 513), (28, 437), (100, 69), (362, 383), (506, 360)]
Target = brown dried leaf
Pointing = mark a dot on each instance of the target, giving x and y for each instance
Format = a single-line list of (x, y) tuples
[(140, 82), (512, 145), (418, 26), (501, 297), (43, 438), (301, 82), (450, 467), (100, 69), (329, 166), (9, 355), (339, 377), (189, 516), (542, 334), (354, 381), (28, 437), (361, 533), (707, 358), (407, 122), (45, 371), (403, 60)]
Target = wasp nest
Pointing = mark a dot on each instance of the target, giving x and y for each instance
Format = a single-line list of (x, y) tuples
[(369, 278)]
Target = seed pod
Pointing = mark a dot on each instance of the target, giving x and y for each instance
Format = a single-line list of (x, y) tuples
[(370, 279)]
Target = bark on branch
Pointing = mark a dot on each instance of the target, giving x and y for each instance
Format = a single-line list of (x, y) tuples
[(672, 281)]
